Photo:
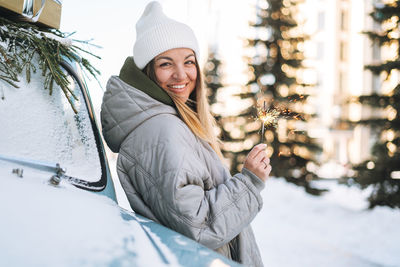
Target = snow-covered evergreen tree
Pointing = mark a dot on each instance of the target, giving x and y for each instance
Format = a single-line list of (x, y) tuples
[(277, 60), (382, 170)]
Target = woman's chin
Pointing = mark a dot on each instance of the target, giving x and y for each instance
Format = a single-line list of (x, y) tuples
[(182, 96)]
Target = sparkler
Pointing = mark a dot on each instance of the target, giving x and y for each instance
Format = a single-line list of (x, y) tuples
[(268, 117), (262, 130)]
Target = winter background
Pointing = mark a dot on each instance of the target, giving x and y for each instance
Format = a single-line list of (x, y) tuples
[(293, 228)]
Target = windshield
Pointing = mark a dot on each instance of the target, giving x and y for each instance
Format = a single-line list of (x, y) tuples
[(38, 126)]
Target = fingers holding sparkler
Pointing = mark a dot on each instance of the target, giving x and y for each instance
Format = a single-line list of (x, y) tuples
[(257, 162)]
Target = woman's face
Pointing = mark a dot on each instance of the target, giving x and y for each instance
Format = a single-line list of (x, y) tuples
[(176, 71)]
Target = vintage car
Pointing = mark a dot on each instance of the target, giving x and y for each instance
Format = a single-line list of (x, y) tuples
[(58, 204)]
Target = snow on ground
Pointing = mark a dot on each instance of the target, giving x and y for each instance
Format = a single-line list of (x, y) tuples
[(297, 229)]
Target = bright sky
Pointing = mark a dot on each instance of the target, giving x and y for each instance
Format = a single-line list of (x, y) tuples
[(110, 25)]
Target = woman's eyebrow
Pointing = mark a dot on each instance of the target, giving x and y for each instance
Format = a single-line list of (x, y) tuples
[(168, 58), (163, 57)]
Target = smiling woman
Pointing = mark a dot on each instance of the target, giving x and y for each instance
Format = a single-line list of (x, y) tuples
[(175, 71), (156, 116)]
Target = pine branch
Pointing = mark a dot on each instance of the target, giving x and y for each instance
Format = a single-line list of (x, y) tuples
[(386, 67), (24, 41), (382, 38)]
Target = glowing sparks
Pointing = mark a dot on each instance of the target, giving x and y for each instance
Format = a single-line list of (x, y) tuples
[(269, 118), (269, 115)]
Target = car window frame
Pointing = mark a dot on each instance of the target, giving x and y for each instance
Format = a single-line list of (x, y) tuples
[(100, 184)]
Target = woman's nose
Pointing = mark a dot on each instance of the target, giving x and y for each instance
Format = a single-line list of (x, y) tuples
[(179, 73)]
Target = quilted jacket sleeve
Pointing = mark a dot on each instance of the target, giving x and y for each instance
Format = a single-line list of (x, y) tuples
[(176, 184), (212, 217)]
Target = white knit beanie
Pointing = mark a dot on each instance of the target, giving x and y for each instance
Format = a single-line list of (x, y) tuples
[(156, 33)]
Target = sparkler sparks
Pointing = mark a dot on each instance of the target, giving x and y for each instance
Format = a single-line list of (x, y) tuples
[(269, 116)]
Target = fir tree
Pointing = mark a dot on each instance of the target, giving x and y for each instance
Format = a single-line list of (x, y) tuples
[(213, 81), (278, 57), (231, 127), (212, 75), (382, 170)]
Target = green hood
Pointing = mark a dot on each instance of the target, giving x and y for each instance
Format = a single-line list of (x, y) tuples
[(133, 76)]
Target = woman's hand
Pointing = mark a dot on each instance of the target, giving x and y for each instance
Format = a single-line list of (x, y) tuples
[(257, 162)]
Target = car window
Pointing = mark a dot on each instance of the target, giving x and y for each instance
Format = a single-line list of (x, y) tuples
[(37, 125)]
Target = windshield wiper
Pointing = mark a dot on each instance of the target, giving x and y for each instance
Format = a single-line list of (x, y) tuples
[(40, 165), (59, 172)]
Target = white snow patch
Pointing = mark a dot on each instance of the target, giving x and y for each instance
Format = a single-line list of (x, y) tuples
[(38, 126), (42, 225), (179, 240), (298, 229)]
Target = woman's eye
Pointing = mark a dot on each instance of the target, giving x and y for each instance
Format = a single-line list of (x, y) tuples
[(190, 62), (164, 64)]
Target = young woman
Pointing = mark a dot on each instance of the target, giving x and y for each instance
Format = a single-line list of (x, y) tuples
[(155, 114)]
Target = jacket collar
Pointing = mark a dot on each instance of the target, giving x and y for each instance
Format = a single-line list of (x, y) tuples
[(133, 76)]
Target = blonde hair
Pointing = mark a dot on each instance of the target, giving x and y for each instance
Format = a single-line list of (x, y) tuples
[(199, 118)]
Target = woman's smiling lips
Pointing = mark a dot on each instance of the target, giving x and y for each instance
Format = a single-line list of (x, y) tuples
[(177, 88)]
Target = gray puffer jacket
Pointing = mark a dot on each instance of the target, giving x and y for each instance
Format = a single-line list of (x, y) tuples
[(174, 178)]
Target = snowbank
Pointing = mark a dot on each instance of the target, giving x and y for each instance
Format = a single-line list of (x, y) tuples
[(297, 229)]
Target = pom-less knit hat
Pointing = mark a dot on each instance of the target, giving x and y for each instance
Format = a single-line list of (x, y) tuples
[(156, 33)]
